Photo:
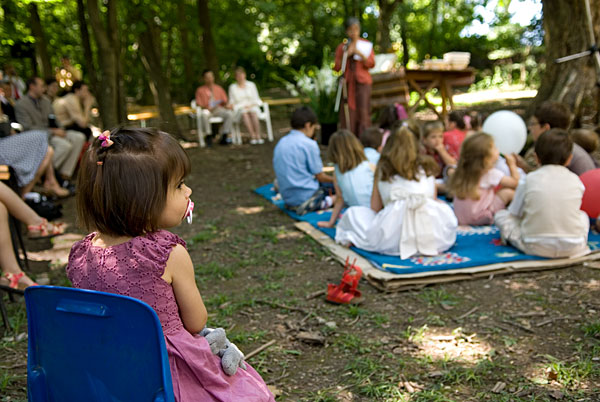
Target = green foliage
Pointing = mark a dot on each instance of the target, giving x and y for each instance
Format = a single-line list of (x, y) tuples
[(271, 38)]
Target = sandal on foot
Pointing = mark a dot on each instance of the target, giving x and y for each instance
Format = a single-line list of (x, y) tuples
[(346, 292), (45, 229), (14, 281), (57, 192)]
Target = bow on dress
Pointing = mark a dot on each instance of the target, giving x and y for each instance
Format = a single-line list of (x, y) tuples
[(417, 228)]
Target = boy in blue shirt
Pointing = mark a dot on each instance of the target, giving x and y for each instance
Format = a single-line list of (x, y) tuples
[(303, 185)]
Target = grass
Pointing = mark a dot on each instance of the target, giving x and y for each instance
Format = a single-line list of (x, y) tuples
[(414, 334), (592, 329), (242, 337), (572, 374), (213, 270), (471, 375), (435, 296)]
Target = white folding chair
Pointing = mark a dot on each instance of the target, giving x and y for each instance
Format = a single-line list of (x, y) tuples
[(204, 120), (264, 114)]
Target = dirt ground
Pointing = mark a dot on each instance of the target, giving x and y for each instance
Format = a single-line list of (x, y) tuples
[(521, 337)]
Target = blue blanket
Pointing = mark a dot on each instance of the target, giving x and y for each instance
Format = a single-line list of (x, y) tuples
[(475, 245)]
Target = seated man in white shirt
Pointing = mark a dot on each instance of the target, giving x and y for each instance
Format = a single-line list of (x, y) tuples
[(73, 110)]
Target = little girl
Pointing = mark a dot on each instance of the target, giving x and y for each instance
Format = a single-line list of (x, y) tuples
[(433, 145), (353, 179), (130, 189), (479, 188), (404, 218)]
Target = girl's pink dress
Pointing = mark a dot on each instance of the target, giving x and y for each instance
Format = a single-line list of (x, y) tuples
[(134, 268)]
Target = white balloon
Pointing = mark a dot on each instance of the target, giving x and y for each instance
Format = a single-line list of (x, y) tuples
[(508, 129)]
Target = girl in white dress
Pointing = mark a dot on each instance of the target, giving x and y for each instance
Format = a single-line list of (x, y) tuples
[(405, 218)]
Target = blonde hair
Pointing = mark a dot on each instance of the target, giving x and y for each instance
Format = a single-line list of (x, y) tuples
[(345, 150), (400, 156), (475, 154), (432, 126)]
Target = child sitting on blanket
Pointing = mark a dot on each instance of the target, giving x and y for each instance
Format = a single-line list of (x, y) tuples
[(457, 131), (371, 141), (544, 218), (353, 179), (433, 145), (302, 183), (480, 190), (405, 218)]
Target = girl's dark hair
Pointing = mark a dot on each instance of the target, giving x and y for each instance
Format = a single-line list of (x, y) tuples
[(387, 117), (122, 189), (458, 118)]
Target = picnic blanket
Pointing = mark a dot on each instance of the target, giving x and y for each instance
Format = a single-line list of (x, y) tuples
[(477, 249)]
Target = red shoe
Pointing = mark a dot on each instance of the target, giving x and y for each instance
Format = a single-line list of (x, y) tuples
[(346, 292)]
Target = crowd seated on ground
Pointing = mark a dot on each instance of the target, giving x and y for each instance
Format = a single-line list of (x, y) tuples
[(462, 161)]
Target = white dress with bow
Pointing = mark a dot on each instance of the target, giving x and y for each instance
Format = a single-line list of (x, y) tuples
[(411, 222)]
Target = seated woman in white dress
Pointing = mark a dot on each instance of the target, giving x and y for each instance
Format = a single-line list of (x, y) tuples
[(353, 179), (405, 218), (243, 95)]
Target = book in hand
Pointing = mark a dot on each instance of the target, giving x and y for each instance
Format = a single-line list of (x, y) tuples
[(363, 47)]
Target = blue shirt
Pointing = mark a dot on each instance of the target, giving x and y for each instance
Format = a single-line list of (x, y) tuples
[(296, 161), (372, 155), (356, 184)]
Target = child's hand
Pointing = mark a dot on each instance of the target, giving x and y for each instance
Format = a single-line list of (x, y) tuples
[(511, 160), (440, 147), (325, 224)]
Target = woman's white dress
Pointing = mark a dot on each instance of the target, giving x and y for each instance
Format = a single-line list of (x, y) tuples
[(411, 222), (244, 99)]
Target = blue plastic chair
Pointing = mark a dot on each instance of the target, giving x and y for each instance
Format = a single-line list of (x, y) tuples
[(94, 346)]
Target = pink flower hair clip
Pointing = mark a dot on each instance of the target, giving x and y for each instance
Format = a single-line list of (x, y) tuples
[(105, 138)]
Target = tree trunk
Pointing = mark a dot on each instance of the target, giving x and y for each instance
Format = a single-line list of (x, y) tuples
[(108, 95), (404, 35), (572, 83), (208, 43), (159, 82), (434, 20), (119, 54), (386, 11), (41, 45), (90, 70), (185, 43)]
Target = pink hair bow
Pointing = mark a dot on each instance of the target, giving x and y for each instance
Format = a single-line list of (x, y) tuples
[(105, 138)]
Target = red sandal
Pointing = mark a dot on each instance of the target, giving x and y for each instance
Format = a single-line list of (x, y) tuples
[(45, 229), (13, 281), (346, 292)]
